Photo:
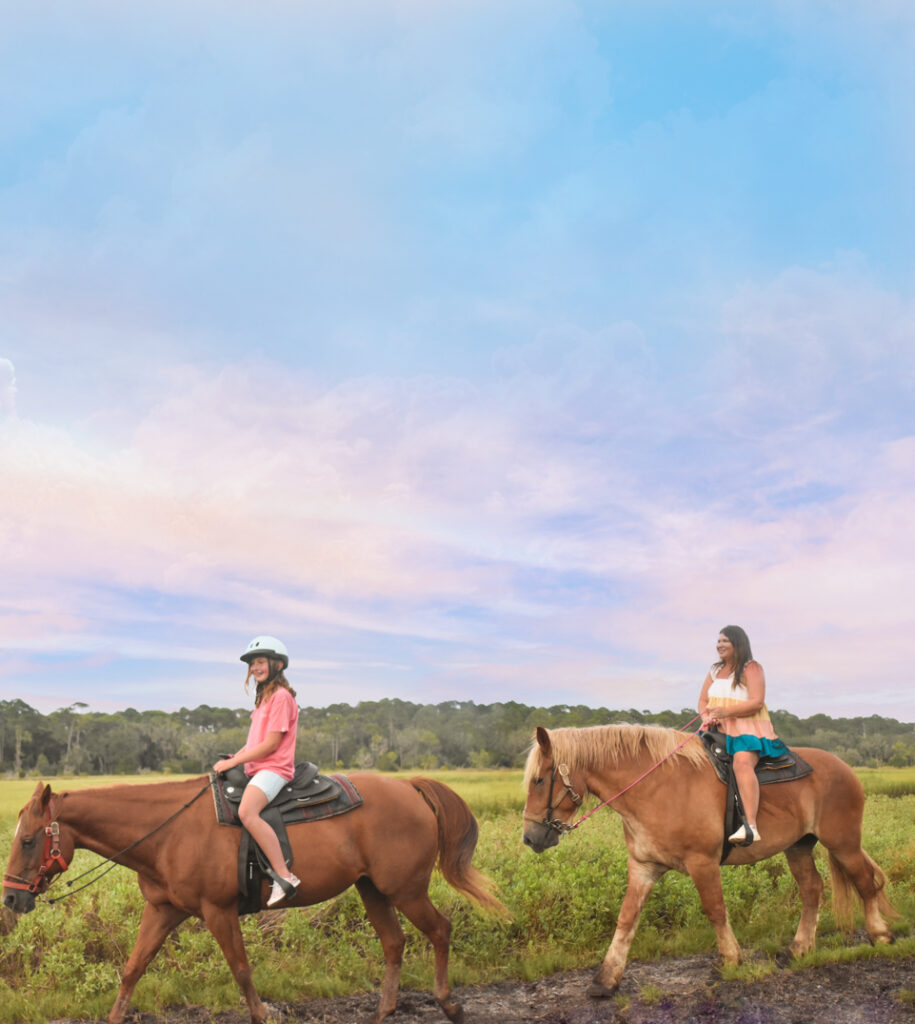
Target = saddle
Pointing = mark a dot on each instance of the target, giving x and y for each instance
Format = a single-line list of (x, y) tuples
[(784, 768), (308, 797)]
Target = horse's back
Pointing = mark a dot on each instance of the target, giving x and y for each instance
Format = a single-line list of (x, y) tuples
[(391, 834), (830, 772)]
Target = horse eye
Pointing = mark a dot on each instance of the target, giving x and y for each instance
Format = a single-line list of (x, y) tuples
[(28, 841), (538, 782)]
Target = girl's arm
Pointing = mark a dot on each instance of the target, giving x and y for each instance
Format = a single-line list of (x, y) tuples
[(267, 746)]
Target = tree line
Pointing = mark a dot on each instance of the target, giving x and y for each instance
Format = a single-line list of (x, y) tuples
[(383, 735)]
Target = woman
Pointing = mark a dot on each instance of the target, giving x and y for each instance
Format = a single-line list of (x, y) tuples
[(268, 754), (733, 701)]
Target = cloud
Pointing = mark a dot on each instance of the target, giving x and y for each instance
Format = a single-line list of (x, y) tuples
[(580, 522), (489, 346), (7, 388)]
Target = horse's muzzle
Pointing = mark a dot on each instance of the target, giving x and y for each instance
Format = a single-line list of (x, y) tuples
[(540, 837), (20, 901)]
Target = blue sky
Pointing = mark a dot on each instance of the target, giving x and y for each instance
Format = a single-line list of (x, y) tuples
[(489, 351)]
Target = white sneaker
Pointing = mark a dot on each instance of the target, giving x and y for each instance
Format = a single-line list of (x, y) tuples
[(742, 835), (278, 893)]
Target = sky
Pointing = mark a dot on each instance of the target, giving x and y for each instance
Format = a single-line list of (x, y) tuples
[(483, 351)]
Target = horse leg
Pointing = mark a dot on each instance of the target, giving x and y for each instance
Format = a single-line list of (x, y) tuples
[(642, 878), (225, 928), (381, 914), (157, 921), (706, 876), (810, 885), (421, 912), (854, 867)]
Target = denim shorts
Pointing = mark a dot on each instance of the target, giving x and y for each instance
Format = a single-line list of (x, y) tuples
[(268, 782)]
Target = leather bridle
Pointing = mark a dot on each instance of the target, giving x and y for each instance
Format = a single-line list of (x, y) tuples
[(568, 790)]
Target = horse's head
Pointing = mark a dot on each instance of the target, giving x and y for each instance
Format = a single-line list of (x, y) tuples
[(36, 853), (551, 796)]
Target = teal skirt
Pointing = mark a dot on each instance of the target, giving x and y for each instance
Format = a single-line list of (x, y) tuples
[(763, 747)]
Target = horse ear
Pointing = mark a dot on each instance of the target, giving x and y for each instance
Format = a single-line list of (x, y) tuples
[(543, 741), (42, 794)]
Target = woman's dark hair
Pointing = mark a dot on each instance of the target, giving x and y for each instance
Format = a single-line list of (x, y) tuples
[(267, 687), (742, 653)]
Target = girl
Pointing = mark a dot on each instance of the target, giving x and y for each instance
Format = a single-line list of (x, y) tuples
[(733, 700), (269, 753)]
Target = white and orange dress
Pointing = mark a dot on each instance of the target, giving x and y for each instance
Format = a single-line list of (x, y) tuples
[(753, 732)]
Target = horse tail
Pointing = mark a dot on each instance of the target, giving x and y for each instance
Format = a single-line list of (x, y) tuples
[(457, 839), (844, 891)]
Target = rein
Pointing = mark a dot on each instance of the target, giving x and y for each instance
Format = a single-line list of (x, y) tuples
[(562, 827), (53, 857)]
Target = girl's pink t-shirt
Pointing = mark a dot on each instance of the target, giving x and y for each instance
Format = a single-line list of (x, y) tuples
[(278, 713)]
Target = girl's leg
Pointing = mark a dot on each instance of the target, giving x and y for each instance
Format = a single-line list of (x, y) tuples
[(747, 783), (253, 801)]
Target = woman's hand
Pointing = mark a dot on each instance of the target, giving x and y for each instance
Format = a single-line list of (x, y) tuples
[(223, 766)]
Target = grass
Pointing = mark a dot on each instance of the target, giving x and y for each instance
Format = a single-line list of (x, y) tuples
[(887, 781), (62, 960)]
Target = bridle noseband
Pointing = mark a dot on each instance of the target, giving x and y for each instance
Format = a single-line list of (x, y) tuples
[(51, 858), (551, 822)]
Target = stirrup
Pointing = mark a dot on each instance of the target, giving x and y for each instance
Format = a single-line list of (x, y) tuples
[(282, 889), (746, 835)]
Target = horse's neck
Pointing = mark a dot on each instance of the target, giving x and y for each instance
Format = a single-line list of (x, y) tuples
[(612, 779), (110, 819)]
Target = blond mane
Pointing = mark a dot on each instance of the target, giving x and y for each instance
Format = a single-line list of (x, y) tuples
[(600, 746)]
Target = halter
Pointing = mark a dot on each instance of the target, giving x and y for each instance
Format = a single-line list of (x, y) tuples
[(51, 858), (555, 824)]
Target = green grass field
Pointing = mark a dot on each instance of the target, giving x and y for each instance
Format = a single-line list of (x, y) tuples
[(62, 960)]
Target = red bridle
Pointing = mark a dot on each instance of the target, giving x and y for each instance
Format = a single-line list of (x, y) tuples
[(51, 858)]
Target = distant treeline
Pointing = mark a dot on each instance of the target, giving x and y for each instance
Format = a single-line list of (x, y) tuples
[(383, 735)]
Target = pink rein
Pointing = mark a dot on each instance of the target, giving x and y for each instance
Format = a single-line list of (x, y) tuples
[(635, 782)]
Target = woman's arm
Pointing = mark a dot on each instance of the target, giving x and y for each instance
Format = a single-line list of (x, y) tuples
[(267, 746)]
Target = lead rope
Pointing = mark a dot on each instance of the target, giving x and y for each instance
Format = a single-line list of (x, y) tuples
[(683, 728), (112, 861)]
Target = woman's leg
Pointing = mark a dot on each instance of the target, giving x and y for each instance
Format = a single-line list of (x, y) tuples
[(253, 801), (747, 783)]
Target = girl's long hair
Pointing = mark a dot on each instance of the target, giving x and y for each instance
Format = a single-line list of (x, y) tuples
[(270, 685), (742, 653)]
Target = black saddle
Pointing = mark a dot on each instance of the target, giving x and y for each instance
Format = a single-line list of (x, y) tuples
[(308, 797), (784, 768)]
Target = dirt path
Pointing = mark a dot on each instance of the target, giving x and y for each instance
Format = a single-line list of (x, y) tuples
[(685, 990)]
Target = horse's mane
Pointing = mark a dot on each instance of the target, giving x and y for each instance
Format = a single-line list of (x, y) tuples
[(598, 746)]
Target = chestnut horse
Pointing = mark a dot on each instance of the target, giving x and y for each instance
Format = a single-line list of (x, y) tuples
[(187, 866), (673, 818)]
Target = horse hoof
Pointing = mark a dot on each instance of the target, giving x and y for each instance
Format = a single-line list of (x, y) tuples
[(454, 1012), (597, 990)]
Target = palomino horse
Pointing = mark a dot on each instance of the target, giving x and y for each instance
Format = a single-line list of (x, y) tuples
[(187, 866), (673, 819)]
